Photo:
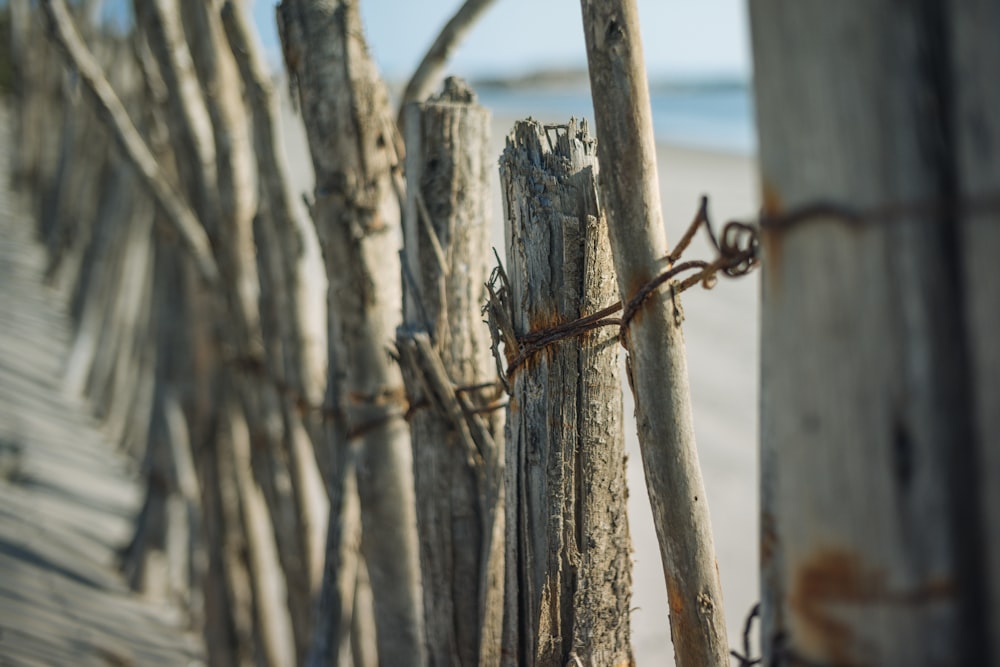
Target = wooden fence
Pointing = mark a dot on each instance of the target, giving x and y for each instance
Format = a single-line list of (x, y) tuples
[(163, 202)]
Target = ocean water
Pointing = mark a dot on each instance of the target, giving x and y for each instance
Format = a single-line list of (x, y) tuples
[(713, 117)]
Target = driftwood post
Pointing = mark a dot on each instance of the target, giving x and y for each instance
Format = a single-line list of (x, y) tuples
[(879, 332), (654, 339), (568, 561), (444, 349)]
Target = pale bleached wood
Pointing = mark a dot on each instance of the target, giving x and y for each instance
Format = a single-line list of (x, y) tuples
[(277, 645), (279, 251), (568, 557), (654, 338), (124, 132), (443, 345), (271, 417), (873, 550), (234, 171), (197, 246), (284, 246), (190, 128), (350, 128), (207, 137)]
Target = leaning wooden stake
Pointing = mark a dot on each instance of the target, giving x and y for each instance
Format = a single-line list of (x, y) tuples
[(657, 367), (568, 567), (443, 345), (136, 151)]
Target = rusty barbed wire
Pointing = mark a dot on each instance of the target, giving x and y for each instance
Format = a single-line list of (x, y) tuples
[(736, 249), (738, 253), (395, 401)]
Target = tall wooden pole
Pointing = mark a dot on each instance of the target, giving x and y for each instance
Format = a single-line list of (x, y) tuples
[(877, 340), (976, 56), (345, 106), (655, 343)]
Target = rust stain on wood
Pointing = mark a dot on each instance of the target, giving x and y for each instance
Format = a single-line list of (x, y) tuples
[(543, 321), (838, 577), (674, 599), (770, 238)]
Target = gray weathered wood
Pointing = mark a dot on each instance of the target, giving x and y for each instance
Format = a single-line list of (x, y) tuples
[(976, 118), (877, 337), (117, 120), (271, 428), (654, 338), (568, 561), (352, 137), (443, 345), (207, 130), (279, 250)]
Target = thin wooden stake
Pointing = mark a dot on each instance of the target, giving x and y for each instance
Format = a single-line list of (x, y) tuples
[(657, 366)]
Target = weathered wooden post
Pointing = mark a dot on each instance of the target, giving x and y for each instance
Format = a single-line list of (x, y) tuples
[(879, 349), (444, 350), (653, 337), (568, 562), (352, 136)]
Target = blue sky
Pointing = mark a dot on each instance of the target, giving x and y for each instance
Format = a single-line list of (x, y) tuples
[(680, 37)]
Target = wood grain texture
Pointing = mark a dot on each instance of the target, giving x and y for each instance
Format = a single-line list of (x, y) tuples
[(568, 563), (654, 338), (458, 456), (872, 423), (116, 117), (352, 142)]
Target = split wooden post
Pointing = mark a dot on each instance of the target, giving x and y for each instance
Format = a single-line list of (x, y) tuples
[(654, 339), (879, 348), (443, 345), (568, 560)]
